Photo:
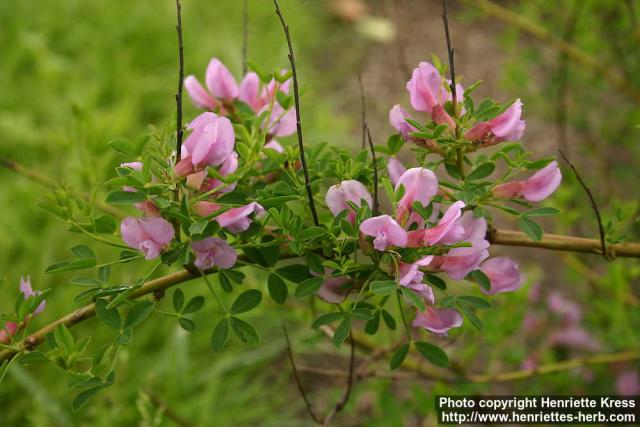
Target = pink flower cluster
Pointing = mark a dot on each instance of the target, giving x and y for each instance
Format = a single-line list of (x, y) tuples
[(12, 328), (407, 228), (223, 90)]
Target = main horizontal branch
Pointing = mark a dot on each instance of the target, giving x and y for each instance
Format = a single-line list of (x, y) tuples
[(562, 243)]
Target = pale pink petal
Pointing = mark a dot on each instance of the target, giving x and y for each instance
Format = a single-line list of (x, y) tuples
[(459, 262), (567, 309), (508, 126), (543, 183), (397, 119), (446, 225), (347, 191), (203, 208), (249, 91), (333, 289), (503, 273), (396, 169), (438, 320), (274, 145), (213, 251), (420, 185), (237, 219), (508, 190), (220, 82), (385, 230), (425, 87), (198, 94)]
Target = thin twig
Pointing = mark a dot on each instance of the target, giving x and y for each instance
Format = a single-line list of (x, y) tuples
[(245, 35), (170, 413), (363, 111), (374, 161), (350, 378), (594, 206), (450, 51), (296, 97), (178, 96), (307, 402)]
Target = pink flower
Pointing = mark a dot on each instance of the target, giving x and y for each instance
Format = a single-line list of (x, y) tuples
[(199, 95), (274, 145), (438, 320), (203, 208), (503, 273), (280, 122), (628, 383), (9, 330), (568, 310), (333, 290), (347, 191), (420, 185), (210, 143), (136, 166), (534, 189), (411, 277), (151, 235), (447, 229), (213, 251), (461, 261), (574, 337), (506, 127), (220, 81), (228, 167), (249, 92), (27, 291), (395, 169), (543, 183), (385, 230), (426, 88), (237, 220), (397, 118), (474, 228)]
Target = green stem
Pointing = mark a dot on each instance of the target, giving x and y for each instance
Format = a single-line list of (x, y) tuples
[(213, 292)]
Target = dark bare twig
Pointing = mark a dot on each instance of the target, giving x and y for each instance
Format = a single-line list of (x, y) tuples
[(363, 111), (450, 51), (594, 206), (170, 413), (296, 97), (179, 130), (307, 403), (376, 204), (245, 35)]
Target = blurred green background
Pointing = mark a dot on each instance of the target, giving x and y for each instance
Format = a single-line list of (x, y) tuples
[(76, 74)]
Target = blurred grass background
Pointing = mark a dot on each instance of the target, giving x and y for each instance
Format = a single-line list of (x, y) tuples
[(76, 74)]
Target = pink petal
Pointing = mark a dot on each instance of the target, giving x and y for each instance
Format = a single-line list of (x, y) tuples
[(461, 261), (543, 183), (438, 320), (425, 87), (508, 126), (503, 274), (385, 230), (158, 229), (446, 225), (132, 233), (213, 251), (249, 91), (220, 81), (508, 190), (347, 191), (274, 145), (198, 94), (420, 185), (203, 208), (397, 116), (333, 289), (236, 219), (395, 169)]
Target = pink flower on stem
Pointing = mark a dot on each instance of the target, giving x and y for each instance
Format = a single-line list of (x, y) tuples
[(280, 122), (210, 143), (411, 277), (151, 235), (428, 94), (503, 273), (199, 95), (474, 228), (398, 119), (420, 185), (506, 127), (395, 169), (385, 230), (347, 191), (249, 92), (220, 81), (237, 220), (274, 145), (27, 291), (228, 167), (534, 189), (459, 262), (9, 330), (447, 229), (438, 320), (213, 251)]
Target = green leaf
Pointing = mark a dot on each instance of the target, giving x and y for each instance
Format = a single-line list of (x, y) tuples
[(312, 233), (83, 398), (479, 277), (471, 315), (433, 354), (531, 229), (309, 287), (104, 272), (138, 312), (63, 338), (194, 304), (105, 224), (383, 287), (220, 335), (277, 288), (325, 319), (186, 324), (314, 262), (371, 327), (436, 281), (452, 170), (482, 171), (178, 300), (70, 265), (32, 358), (342, 331), (474, 301), (295, 273), (108, 316), (85, 281), (119, 197), (362, 313), (547, 211), (244, 331), (398, 357), (389, 320), (246, 301), (124, 145), (413, 298)]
